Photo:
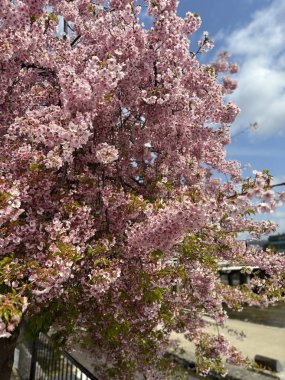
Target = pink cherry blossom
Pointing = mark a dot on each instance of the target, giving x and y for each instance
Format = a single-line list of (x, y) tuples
[(112, 141), (106, 153)]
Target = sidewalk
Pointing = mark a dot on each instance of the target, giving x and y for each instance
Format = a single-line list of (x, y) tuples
[(259, 339)]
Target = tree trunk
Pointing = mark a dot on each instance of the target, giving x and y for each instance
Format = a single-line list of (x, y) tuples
[(7, 347)]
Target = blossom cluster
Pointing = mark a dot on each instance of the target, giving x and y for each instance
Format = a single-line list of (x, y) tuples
[(106, 153), (110, 138)]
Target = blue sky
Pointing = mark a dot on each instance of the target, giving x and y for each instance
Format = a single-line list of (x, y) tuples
[(253, 33)]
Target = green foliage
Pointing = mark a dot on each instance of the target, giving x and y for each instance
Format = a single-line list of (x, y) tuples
[(250, 211), (196, 248), (156, 255), (65, 313), (67, 252), (137, 203), (40, 322), (96, 250), (52, 16), (206, 359), (11, 307), (115, 329), (71, 208), (4, 198), (166, 314), (154, 295), (35, 167)]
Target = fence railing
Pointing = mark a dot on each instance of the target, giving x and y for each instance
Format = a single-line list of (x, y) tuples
[(40, 361)]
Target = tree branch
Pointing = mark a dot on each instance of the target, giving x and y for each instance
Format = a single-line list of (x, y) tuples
[(245, 192), (278, 184)]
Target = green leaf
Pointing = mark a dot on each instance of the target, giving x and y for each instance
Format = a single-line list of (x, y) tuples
[(156, 255)]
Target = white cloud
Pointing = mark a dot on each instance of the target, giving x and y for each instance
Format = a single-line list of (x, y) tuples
[(259, 48)]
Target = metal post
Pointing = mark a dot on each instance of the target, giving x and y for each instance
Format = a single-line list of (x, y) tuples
[(33, 361)]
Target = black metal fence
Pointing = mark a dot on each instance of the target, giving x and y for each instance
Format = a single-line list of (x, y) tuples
[(40, 361)]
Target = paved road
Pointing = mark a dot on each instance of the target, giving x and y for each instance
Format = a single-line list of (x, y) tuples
[(259, 339)]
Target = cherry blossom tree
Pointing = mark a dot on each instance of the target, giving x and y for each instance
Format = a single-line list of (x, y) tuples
[(112, 149)]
